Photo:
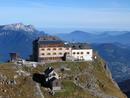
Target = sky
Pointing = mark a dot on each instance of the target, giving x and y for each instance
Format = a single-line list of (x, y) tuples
[(69, 14)]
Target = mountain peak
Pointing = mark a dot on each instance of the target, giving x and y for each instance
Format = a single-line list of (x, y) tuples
[(19, 26), (78, 31)]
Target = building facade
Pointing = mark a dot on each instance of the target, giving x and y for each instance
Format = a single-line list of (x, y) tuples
[(82, 54), (81, 51), (53, 52), (49, 48), (53, 79), (14, 57)]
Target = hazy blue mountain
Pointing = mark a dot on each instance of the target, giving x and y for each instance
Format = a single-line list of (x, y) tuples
[(113, 46), (104, 37), (17, 38), (125, 87), (117, 56), (79, 36)]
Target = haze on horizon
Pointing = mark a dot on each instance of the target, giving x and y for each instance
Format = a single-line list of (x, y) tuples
[(86, 14)]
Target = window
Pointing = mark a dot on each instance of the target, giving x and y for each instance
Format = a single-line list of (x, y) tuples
[(57, 84), (88, 52), (43, 49), (77, 52), (82, 53), (60, 48), (48, 49), (54, 53), (43, 54), (48, 53), (67, 48), (73, 52), (60, 53), (54, 48)]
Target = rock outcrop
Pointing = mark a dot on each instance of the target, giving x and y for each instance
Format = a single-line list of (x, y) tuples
[(82, 80)]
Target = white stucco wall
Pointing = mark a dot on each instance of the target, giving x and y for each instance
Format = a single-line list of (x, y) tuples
[(82, 54)]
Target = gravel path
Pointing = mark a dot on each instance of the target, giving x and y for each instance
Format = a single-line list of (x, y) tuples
[(39, 91)]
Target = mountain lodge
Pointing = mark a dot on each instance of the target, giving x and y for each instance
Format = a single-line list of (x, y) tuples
[(49, 48)]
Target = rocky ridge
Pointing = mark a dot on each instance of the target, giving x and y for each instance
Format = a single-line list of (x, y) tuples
[(78, 79)]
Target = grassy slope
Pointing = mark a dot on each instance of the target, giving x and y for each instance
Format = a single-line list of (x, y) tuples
[(25, 87)]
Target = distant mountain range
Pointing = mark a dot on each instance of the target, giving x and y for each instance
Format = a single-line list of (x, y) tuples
[(113, 46), (118, 58), (125, 86), (17, 38), (104, 37)]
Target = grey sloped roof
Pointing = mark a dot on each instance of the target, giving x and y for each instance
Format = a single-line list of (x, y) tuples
[(48, 70), (49, 40), (47, 37), (78, 45)]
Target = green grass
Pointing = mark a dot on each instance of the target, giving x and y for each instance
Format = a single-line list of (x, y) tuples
[(70, 90), (26, 86), (96, 68)]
